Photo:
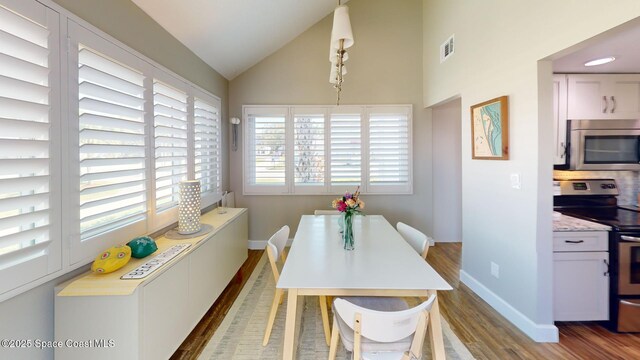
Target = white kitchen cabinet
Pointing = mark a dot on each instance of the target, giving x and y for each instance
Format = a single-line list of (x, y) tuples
[(560, 118), (581, 276), (603, 96)]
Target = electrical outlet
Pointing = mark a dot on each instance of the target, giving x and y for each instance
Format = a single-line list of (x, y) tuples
[(495, 270)]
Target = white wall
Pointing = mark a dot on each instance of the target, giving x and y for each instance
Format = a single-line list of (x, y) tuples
[(30, 314), (498, 46), (385, 67), (447, 172)]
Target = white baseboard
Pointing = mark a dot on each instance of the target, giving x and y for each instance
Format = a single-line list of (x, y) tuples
[(261, 244), (537, 332)]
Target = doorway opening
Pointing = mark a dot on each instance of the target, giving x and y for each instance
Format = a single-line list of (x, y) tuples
[(447, 171)]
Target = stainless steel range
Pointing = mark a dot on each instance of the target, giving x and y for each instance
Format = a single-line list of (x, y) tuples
[(595, 200)]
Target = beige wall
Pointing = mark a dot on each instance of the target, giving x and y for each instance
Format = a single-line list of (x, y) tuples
[(30, 315), (385, 67), (498, 47)]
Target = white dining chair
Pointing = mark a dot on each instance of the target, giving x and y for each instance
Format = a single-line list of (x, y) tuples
[(326, 212), (418, 241), (378, 328), (275, 251)]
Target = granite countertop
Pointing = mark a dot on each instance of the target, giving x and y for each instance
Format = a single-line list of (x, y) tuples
[(568, 223)]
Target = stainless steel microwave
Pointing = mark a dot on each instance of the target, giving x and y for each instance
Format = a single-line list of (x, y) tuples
[(604, 144)]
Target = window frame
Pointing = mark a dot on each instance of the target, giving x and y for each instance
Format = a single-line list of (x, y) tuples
[(165, 216), (310, 189), (391, 189), (27, 270), (289, 112), (248, 186), (82, 250), (208, 198)]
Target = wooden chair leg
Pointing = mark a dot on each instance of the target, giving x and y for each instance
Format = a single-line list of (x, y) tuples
[(335, 336), (281, 298), (272, 316), (357, 332), (415, 352), (325, 318)]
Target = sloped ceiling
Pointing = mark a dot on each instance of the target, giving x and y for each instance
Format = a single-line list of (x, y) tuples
[(233, 35)]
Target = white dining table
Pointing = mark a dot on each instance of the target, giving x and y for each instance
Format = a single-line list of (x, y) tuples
[(382, 264)]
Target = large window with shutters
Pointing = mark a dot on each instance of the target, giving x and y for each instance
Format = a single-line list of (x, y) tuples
[(94, 142), (109, 157), (30, 240), (140, 131), (329, 149)]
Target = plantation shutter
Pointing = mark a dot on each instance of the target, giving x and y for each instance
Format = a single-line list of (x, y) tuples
[(207, 150), (170, 137), (29, 203), (389, 149), (265, 148), (112, 164), (346, 150), (309, 159)]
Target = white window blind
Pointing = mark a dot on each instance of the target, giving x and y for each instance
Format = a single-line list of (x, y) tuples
[(389, 144), (170, 136), (207, 149), (346, 150), (266, 149), (309, 151), (103, 152), (29, 222), (328, 149), (112, 143)]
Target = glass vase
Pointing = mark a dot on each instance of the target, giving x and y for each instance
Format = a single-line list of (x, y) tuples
[(347, 231)]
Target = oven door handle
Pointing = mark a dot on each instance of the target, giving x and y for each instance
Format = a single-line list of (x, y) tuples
[(629, 303), (630, 238)]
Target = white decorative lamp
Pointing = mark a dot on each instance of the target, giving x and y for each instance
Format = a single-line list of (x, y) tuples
[(341, 39), (189, 207)]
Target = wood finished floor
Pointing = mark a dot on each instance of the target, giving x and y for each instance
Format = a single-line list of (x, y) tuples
[(485, 333)]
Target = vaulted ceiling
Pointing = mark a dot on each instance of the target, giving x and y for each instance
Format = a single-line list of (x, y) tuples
[(233, 35)]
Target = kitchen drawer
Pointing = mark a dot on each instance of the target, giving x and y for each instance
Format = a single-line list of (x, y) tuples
[(580, 241), (629, 315)]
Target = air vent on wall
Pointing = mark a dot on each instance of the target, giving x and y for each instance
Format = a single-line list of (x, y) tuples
[(446, 49)]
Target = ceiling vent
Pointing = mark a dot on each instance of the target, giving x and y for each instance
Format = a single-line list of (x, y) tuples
[(446, 49)]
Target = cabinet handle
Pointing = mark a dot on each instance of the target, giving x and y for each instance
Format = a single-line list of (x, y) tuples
[(613, 108), (574, 241), (606, 105), (606, 264)]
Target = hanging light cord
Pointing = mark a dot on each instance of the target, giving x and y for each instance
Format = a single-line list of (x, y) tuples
[(339, 65)]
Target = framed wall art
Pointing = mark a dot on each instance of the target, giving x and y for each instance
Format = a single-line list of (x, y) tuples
[(490, 129)]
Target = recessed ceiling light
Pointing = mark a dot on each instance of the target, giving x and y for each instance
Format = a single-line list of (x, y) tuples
[(600, 61)]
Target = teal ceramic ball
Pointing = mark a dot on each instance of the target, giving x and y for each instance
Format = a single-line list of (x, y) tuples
[(142, 246)]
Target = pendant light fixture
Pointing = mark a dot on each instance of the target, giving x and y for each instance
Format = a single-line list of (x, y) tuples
[(341, 39)]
